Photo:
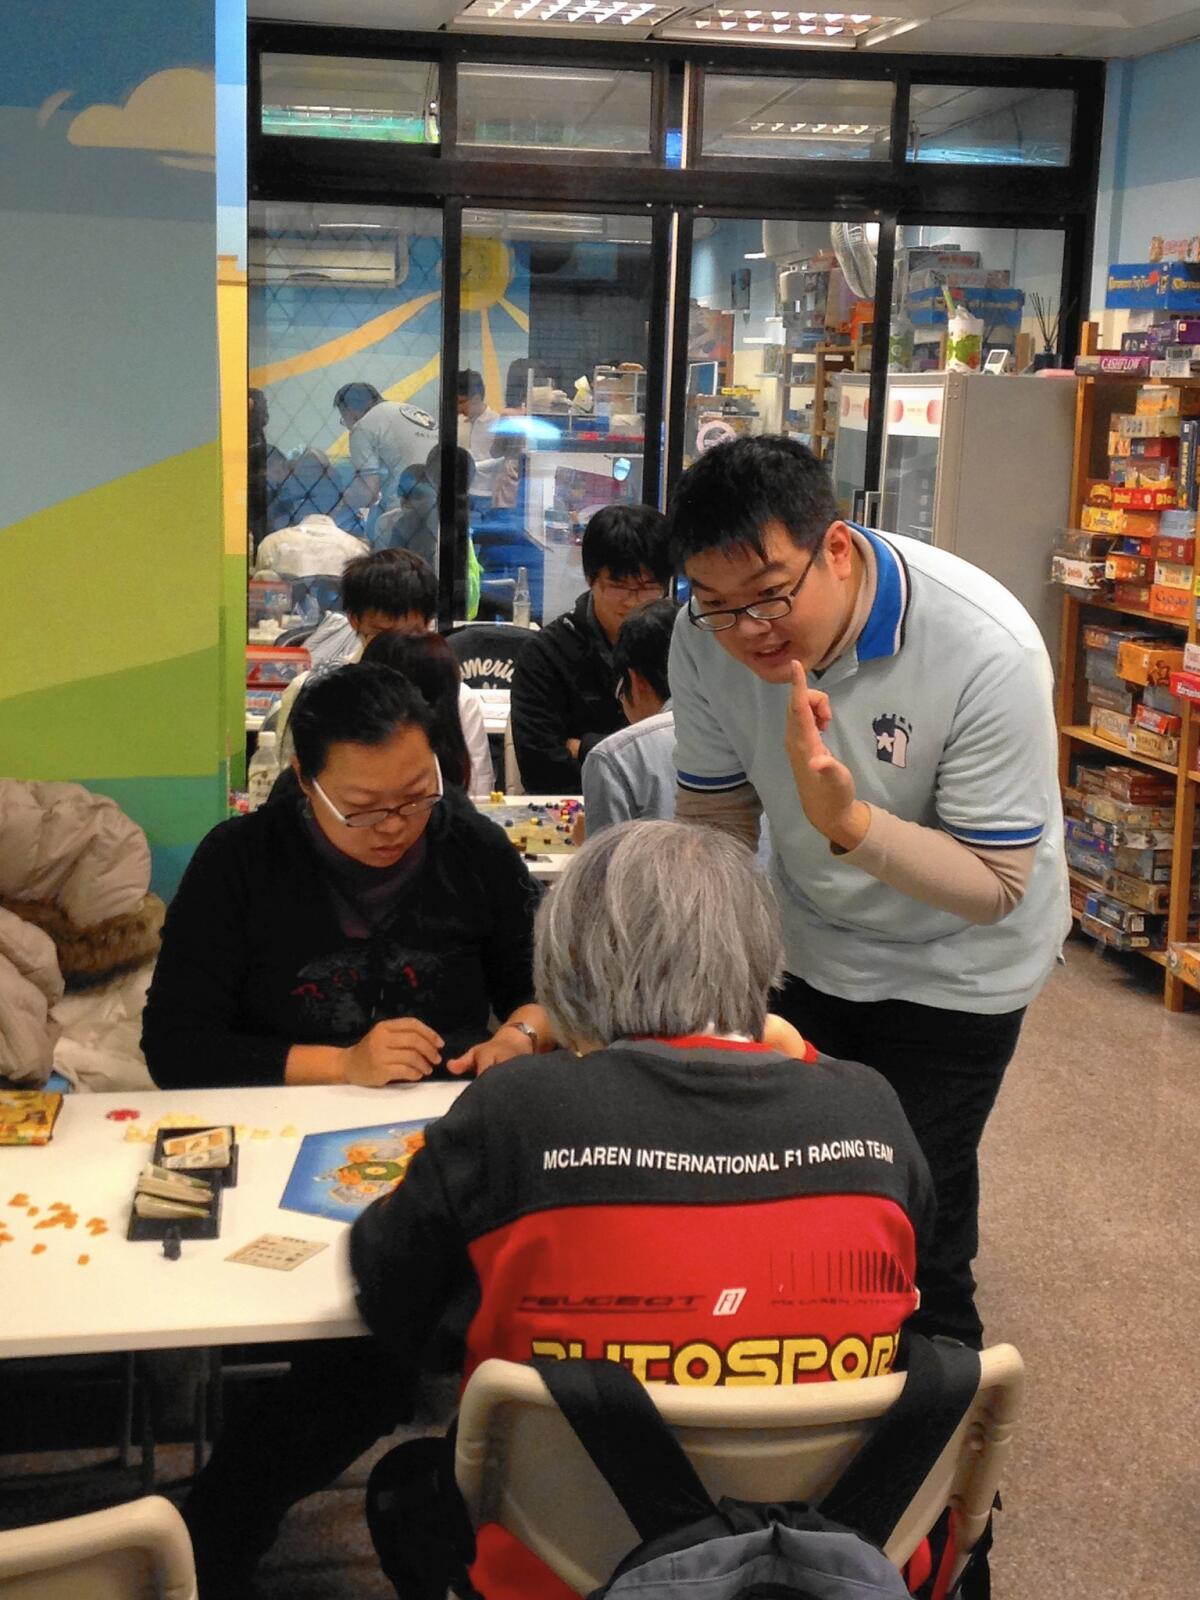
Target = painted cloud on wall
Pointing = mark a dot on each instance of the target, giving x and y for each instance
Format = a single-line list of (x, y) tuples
[(172, 113)]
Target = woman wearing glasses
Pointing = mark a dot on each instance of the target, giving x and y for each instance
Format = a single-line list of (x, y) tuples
[(363, 934)]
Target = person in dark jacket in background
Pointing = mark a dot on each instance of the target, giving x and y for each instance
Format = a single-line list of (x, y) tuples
[(564, 697), (362, 934)]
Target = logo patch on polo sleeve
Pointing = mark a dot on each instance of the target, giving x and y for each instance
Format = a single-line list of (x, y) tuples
[(892, 734)]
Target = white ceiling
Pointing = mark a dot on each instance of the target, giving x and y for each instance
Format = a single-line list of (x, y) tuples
[(1105, 28)]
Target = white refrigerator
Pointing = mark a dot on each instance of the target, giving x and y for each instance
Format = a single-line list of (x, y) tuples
[(975, 463)]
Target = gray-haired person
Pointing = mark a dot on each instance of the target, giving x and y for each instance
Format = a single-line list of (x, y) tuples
[(669, 1191)]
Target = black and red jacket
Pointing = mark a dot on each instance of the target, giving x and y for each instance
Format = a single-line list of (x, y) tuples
[(705, 1212)]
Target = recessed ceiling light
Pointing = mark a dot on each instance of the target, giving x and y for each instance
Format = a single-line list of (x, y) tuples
[(846, 30), (577, 15)]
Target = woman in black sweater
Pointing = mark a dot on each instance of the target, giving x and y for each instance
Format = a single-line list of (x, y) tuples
[(362, 934)]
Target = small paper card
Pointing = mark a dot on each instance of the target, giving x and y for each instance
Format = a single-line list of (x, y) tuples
[(277, 1251)]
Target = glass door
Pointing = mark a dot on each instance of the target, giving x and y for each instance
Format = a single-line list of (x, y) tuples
[(344, 388), (553, 391), (780, 326)]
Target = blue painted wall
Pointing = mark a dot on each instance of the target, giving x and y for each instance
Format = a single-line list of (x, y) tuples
[(1150, 162)]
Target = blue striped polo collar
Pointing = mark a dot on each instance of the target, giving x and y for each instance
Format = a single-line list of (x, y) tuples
[(883, 631)]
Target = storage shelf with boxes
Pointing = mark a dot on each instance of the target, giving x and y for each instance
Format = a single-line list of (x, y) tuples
[(1129, 671)]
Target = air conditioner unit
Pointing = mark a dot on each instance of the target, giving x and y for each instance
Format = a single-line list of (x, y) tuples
[(382, 263)]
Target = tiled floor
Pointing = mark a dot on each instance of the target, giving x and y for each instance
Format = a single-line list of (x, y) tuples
[(1090, 1264)]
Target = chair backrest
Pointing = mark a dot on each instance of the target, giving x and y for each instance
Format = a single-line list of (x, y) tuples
[(519, 1464), (488, 652), (294, 636), (122, 1553)]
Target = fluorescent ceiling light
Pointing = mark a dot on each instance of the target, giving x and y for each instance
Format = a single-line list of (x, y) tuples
[(342, 226), (575, 15), (838, 30), (755, 255)]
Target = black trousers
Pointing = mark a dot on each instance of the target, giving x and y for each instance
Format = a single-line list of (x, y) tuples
[(340, 1396), (946, 1068)]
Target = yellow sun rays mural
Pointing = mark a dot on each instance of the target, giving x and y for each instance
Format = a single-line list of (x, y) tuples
[(295, 343)]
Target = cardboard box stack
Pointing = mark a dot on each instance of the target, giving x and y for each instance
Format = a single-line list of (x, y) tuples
[(1136, 544), (1127, 670), (986, 292), (1119, 824)]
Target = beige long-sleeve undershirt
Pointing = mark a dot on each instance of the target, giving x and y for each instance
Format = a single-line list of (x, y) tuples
[(980, 886)]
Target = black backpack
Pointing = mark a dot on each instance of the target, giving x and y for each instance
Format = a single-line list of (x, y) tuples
[(691, 1546), (738, 1550)]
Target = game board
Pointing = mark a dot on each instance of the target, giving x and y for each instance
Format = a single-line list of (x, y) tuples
[(535, 827), (338, 1174)]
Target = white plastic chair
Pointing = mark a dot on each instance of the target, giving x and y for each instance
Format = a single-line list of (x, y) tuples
[(519, 1464), (123, 1553)]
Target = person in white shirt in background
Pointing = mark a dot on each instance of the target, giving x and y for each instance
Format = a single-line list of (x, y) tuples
[(631, 775), (313, 545), (390, 591), (385, 438), (476, 419), (492, 453)]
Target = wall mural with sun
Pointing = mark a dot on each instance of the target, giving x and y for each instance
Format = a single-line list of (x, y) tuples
[(306, 340)]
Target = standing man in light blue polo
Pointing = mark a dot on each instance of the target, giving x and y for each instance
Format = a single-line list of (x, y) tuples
[(889, 707)]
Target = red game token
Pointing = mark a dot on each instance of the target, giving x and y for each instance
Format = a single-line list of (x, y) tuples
[(125, 1114)]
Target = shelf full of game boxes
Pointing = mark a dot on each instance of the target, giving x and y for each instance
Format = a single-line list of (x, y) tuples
[(1129, 678)]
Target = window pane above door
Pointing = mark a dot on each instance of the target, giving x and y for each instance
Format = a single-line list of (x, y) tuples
[(796, 119), (984, 125), (528, 111), (347, 97)]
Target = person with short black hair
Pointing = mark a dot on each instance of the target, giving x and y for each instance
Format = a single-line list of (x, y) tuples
[(631, 774), (384, 592), (890, 708), (429, 664), (564, 688), (388, 589), (386, 436), (363, 933)]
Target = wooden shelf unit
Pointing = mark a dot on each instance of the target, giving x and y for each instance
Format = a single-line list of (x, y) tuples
[(1095, 401), (826, 360)]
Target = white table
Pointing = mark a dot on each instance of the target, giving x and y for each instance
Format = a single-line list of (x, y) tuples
[(129, 1296)]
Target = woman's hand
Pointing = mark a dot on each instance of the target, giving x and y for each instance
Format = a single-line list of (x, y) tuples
[(505, 1043), (401, 1050)]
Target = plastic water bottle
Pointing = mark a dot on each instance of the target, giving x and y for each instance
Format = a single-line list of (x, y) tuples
[(263, 769), (522, 603)]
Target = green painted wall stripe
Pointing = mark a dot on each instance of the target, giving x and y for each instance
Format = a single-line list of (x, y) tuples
[(118, 577), (153, 721)]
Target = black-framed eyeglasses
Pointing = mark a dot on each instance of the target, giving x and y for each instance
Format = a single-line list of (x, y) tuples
[(374, 819), (760, 610)]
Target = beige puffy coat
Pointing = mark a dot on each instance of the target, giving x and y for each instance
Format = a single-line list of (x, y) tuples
[(64, 847)]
